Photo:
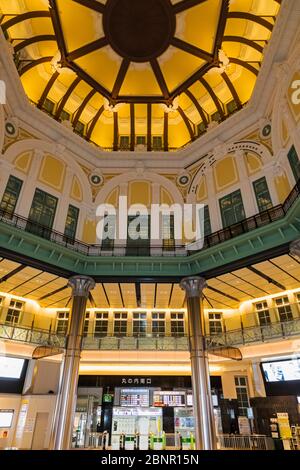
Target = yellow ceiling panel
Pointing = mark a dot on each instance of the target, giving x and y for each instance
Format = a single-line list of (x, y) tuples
[(140, 81), (99, 61), (73, 16), (200, 24), (173, 74)]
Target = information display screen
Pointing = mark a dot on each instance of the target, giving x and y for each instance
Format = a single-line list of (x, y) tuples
[(281, 371), (134, 397), (6, 417), (169, 399), (11, 367)]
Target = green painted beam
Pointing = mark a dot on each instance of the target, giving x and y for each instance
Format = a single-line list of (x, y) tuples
[(250, 244)]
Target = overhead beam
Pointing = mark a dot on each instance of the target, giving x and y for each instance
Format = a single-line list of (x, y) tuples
[(132, 127), (244, 64), (191, 49), (81, 108), (92, 4), (247, 42), (149, 127), (160, 78), (232, 90), (250, 17), (23, 17), (47, 89), (34, 63), (267, 278), (197, 106), (12, 273), (187, 122), (221, 28), (58, 28), (56, 291), (67, 96), (33, 40), (166, 132), (87, 49), (120, 78), (93, 123), (116, 132), (213, 96), (186, 4)]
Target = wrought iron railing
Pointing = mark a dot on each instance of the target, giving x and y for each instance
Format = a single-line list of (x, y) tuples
[(31, 335), (238, 337), (255, 334), (172, 249)]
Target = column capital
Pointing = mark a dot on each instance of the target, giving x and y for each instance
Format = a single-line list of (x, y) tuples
[(295, 249), (81, 285), (193, 285)]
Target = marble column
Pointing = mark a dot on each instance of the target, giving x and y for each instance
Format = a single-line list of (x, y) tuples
[(203, 410)]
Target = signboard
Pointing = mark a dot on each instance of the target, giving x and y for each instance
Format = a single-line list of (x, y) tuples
[(175, 398), (244, 425), (134, 397), (284, 426), (107, 398)]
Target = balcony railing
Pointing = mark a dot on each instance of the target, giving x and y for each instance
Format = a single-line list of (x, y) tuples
[(255, 334), (173, 249), (238, 337), (31, 335)]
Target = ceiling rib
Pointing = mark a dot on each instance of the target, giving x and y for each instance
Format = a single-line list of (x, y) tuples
[(120, 78), (197, 106), (58, 28), (247, 42), (87, 49), (81, 108), (12, 273), (232, 90), (25, 282), (250, 17), (221, 28), (166, 132), (187, 122), (186, 4), (56, 291), (33, 40), (132, 127), (251, 284), (23, 17), (48, 87), (34, 63), (92, 4), (160, 78), (116, 132), (37, 288), (191, 49), (244, 64), (284, 271), (149, 127), (267, 278), (93, 123), (213, 96), (67, 96)]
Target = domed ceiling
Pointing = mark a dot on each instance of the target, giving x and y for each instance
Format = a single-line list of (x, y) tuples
[(139, 74)]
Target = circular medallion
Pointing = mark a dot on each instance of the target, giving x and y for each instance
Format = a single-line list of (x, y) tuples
[(139, 30), (96, 179)]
